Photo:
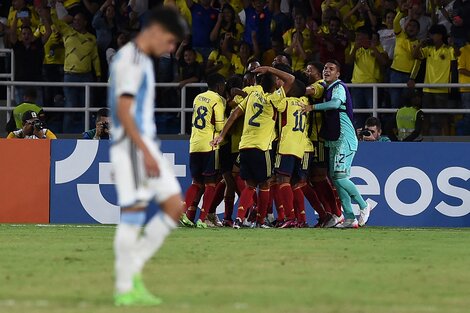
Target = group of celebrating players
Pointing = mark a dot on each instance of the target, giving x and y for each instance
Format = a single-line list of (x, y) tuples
[(274, 137)]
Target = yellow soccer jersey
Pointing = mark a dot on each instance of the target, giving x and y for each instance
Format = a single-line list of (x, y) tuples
[(208, 120), (237, 129), (308, 143), (292, 127), (438, 63), (260, 115)]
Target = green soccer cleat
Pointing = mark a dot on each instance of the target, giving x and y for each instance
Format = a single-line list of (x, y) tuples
[(185, 221), (200, 224), (136, 298)]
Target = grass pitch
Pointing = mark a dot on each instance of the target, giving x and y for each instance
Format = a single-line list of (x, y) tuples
[(69, 269)]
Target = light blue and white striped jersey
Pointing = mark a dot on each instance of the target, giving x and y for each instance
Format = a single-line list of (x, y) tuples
[(132, 74)]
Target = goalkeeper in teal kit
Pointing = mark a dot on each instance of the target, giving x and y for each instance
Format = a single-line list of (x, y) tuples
[(340, 136)]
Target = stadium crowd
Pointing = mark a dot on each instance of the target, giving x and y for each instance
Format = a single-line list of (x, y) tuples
[(405, 41)]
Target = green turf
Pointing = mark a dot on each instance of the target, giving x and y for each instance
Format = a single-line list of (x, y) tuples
[(69, 269)]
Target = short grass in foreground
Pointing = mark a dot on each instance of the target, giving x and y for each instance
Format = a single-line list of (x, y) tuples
[(69, 269)]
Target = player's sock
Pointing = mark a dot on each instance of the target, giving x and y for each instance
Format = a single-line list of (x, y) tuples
[(190, 197), (277, 202), (314, 201), (218, 196), (125, 240), (207, 199), (240, 184), (246, 201), (155, 232), (287, 199), (349, 186), (299, 204), (327, 196), (270, 202), (229, 202), (263, 202)]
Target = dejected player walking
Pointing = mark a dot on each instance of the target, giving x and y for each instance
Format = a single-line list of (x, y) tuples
[(141, 173)]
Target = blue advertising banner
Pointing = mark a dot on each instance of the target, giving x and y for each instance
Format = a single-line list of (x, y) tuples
[(408, 184)]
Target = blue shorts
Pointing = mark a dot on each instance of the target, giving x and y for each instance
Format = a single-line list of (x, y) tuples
[(341, 158), (255, 165), (203, 164), (288, 165)]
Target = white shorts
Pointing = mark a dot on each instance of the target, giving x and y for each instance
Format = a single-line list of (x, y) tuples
[(133, 186)]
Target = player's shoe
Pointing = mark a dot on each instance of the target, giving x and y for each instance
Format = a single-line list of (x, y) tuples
[(214, 220), (200, 224), (270, 219), (237, 224), (334, 220), (289, 224), (247, 223), (185, 221), (263, 225), (348, 223), (138, 296), (227, 223), (302, 225), (364, 215)]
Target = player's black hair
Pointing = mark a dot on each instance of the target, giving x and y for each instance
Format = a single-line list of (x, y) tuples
[(169, 19), (335, 62), (297, 89), (215, 79), (267, 81), (234, 82), (302, 76), (318, 65)]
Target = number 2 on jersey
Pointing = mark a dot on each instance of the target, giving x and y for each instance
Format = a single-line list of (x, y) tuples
[(251, 121), (200, 120)]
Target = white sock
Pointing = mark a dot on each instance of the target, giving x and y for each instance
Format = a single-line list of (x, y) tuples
[(157, 229), (125, 265)]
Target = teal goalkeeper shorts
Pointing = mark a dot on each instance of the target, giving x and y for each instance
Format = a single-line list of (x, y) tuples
[(341, 158)]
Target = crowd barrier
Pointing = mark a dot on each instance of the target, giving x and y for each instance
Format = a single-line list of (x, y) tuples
[(70, 181)]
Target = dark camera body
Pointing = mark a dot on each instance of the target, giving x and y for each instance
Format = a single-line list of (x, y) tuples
[(365, 133), (39, 125), (105, 125)]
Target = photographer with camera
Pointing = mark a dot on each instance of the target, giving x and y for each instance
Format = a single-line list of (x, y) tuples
[(372, 131), (33, 128), (102, 126)]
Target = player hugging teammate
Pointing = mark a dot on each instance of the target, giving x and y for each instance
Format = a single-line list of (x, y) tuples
[(274, 148)]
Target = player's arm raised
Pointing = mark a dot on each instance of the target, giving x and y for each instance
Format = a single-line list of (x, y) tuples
[(124, 106), (239, 111), (287, 78)]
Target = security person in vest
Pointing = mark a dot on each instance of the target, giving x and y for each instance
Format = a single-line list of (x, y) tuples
[(409, 118)]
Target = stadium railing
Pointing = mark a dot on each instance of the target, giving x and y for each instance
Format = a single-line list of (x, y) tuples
[(87, 108)]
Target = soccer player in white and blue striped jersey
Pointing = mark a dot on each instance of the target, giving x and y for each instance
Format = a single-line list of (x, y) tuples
[(141, 173)]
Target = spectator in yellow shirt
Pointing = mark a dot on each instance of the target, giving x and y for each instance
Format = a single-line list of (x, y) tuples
[(464, 78), (224, 60), (227, 23), (368, 58), (404, 67), (299, 42), (26, 15), (81, 57), (438, 56)]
